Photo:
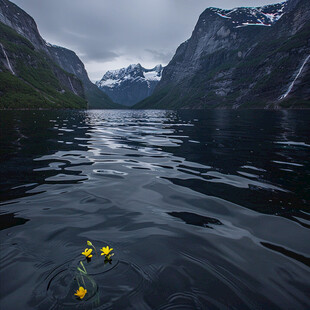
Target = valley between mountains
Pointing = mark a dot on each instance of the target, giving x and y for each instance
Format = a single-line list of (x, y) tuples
[(242, 58)]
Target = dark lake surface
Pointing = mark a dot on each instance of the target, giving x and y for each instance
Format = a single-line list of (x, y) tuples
[(204, 209)]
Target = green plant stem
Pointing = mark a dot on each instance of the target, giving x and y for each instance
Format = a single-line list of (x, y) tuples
[(95, 250), (83, 281), (83, 267)]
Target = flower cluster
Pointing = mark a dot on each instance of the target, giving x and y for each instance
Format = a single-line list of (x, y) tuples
[(106, 252)]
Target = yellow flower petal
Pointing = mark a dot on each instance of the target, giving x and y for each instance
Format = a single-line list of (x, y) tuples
[(106, 250), (87, 252), (81, 292)]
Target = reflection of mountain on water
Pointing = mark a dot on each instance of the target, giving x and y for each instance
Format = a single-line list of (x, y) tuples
[(9, 220), (195, 219)]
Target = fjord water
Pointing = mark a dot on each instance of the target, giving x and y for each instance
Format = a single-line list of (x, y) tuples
[(204, 209)]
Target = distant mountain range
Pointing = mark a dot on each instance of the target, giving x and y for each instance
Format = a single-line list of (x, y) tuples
[(35, 74), (130, 85), (241, 58)]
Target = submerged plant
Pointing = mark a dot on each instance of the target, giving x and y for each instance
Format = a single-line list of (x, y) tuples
[(84, 269), (81, 292)]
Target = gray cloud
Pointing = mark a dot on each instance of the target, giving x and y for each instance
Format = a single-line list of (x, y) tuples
[(108, 34), (99, 55), (160, 55)]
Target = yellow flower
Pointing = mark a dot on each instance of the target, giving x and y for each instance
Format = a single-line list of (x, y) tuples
[(87, 253), (106, 251), (81, 292)]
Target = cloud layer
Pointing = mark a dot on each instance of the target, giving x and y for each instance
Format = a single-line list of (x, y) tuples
[(109, 34)]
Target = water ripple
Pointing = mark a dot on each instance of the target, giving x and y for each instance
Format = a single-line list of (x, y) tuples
[(205, 210)]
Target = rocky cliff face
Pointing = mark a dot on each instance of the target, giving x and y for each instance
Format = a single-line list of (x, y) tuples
[(14, 17), (30, 79), (241, 58), (127, 86), (70, 62), (63, 65)]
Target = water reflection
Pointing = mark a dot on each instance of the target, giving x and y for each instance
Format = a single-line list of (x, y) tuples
[(148, 183), (195, 219), (9, 220)]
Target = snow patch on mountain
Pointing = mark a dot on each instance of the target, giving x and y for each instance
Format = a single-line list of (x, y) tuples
[(253, 16), (136, 72), (129, 85), (152, 76), (108, 83)]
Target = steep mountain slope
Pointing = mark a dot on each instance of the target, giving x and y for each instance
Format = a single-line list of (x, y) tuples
[(14, 17), (30, 79), (70, 62), (128, 86), (65, 66), (241, 58)]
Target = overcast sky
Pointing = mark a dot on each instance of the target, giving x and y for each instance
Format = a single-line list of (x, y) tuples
[(110, 34)]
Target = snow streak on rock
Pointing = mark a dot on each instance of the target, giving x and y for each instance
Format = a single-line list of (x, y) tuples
[(74, 91), (295, 79), (7, 59)]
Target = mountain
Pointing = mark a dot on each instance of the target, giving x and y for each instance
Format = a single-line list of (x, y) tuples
[(34, 74), (30, 79), (70, 62), (130, 85), (241, 58), (28, 76)]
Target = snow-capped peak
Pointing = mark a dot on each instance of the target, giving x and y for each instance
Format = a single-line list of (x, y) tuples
[(253, 16), (113, 78), (130, 85)]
